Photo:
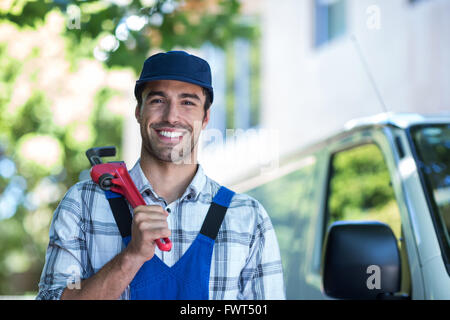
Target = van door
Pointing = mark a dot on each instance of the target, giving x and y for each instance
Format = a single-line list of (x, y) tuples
[(291, 200)]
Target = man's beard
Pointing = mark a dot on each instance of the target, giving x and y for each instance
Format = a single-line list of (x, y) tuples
[(178, 153)]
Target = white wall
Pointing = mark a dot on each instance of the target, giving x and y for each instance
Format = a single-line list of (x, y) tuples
[(309, 93)]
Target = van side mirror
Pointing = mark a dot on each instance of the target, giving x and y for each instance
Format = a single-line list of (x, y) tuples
[(361, 260)]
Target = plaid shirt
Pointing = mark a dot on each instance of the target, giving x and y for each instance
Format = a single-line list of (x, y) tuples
[(246, 260)]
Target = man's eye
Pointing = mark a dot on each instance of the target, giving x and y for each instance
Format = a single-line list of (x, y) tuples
[(189, 103), (156, 101)]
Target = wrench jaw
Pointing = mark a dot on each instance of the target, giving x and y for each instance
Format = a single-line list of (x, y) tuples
[(95, 155)]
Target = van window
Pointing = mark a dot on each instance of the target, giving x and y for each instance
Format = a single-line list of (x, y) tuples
[(289, 201), (360, 188)]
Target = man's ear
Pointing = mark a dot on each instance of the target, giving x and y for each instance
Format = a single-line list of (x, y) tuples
[(206, 118), (137, 113)]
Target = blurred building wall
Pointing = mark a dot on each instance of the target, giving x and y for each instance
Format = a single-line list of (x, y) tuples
[(309, 92)]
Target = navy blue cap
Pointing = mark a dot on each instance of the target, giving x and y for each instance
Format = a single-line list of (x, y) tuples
[(175, 65)]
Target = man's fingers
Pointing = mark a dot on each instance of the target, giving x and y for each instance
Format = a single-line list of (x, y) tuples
[(163, 233), (142, 213), (150, 208), (152, 224), (154, 234), (149, 236)]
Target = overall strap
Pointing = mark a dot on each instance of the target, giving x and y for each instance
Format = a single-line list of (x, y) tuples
[(216, 212), (121, 212)]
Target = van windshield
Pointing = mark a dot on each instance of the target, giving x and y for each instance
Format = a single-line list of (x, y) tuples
[(432, 144)]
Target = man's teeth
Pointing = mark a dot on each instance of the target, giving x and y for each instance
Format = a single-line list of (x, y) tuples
[(170, 134)]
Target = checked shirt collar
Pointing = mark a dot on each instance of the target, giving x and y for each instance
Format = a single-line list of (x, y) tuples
[(191, 193)]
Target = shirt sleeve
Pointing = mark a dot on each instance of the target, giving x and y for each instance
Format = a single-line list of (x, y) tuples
[(262, 278), (66, 256)]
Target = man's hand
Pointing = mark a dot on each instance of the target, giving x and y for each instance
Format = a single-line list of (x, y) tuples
[(149, 224)]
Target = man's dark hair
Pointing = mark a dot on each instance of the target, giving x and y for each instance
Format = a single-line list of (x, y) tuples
[(207, 104)]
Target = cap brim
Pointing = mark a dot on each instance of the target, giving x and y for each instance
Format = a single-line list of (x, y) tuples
[(141, 82)]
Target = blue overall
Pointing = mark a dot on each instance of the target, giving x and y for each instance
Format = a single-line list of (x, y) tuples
[(188, 278)]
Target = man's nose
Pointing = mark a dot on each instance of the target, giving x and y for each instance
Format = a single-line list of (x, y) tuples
[(171, 112)]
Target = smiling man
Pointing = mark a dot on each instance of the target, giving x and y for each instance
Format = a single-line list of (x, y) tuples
[(224, 245)]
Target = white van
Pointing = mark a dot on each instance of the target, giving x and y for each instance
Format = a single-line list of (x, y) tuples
[(366, 212)]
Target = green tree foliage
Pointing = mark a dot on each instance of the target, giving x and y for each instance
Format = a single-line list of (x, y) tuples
[(165, 24)]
